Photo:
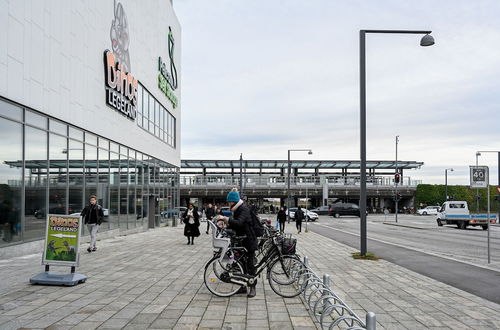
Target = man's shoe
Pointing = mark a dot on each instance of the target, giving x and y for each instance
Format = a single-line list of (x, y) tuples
[(242, 289), (89, 250), (94, 249), (252, 292)]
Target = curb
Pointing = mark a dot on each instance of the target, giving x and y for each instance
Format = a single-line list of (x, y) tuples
[(407, 226)]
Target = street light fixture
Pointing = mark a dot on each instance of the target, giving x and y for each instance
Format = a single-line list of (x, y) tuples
[(446, 183), (427, 40), (309, 152)]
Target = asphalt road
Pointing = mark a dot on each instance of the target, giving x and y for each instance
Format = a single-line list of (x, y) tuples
[(423, 247)]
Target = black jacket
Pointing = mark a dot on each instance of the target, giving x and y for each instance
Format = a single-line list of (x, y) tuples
[(281, 216), (191, 229), (210, 213), (92, 214), (241, 222), (299, 215)]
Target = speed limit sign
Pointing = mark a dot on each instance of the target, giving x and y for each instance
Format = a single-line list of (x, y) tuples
[(479, 176)]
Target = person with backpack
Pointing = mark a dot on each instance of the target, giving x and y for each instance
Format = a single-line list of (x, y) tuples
[(281, 218), (299, 216), (242, 222)]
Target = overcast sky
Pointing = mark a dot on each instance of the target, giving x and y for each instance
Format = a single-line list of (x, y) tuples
[(264, 76)]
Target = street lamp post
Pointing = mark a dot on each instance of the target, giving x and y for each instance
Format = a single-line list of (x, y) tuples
[(241, 175), (309, 151), (446, 183), (427, 40), (477, 189), (395, 181)]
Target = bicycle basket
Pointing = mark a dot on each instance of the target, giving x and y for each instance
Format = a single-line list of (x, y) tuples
[(288, 246)]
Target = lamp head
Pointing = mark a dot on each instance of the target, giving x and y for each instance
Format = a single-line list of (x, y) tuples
[(451, 169), (427, 40), (478, 154), (310, 152)]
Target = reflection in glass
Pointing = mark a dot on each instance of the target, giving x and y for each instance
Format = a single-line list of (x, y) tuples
[(11, 111), (76, 182), (132, 177), (10, 180), (123, 188), (35, 183), (103, 187), (114, 188), (58, 152)]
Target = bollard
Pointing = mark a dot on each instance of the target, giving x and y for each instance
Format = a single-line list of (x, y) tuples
[(371, 321), (326, 282), (306, 261)]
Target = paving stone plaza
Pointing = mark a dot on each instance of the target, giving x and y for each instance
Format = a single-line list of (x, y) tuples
[(152, 280)]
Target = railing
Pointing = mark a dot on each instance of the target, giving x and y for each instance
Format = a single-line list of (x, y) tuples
[(298, 181), (330, 311)]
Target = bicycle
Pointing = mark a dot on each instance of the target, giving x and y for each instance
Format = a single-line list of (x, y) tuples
[(225, 273)]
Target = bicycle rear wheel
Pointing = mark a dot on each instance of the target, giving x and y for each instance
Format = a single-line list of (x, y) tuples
[(281, 276), (216, 277)]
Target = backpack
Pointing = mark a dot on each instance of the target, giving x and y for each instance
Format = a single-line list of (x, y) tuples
[(257, 226)]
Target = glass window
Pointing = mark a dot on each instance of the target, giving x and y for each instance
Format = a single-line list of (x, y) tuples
[(11, 137), (139, 100), (35, 183), (58, 153), (131, 190), (75, 133), (90, 138), (90, 171), (103, 143), (58, 127), (103, 186), (151, 107), (114, 188), (114, 147), (35, 119), (77, 200), (11, 111), (123, 191)]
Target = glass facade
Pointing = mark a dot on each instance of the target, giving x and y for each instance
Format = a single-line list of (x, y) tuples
[(50, 167), (154, 118)]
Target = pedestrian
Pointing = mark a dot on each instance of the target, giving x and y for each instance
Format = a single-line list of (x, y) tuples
[(191, 219), (299, 216), (92, 216), (281, 218), (241, 223), (209, 214)]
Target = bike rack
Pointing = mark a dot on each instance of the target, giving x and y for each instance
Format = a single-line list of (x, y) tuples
[(329, 310)]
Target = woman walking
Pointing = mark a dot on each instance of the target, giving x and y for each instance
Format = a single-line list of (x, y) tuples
[(191, 218), (281, 219)]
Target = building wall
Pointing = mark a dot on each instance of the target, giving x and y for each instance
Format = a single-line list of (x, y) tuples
[(51, 60)]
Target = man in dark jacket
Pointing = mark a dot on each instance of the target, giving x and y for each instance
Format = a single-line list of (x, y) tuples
[(241, 223), (281, 218), (209, 214), (92, 216), (299, 216)]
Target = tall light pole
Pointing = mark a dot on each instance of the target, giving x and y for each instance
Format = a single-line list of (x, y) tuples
[(477, 189), (427, 40), (309, 152), (241, 175), (395, 180), (478, 153), (446, 183)]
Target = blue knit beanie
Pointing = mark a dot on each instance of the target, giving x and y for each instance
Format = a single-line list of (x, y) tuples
[(233, 196)]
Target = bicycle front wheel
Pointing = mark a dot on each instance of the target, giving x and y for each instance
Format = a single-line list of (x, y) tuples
[(216, 277), (281, 276)]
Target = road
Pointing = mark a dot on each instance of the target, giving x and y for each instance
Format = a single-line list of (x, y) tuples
[(421, 233), (436, 252)]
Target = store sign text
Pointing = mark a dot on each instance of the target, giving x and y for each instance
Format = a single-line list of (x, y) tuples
[(121, 87), (165, 82)]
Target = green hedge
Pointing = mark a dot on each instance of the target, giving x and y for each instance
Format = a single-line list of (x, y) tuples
[(433, 194)]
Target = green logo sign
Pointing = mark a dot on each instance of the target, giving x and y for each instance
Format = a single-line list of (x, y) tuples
[(167, 79)]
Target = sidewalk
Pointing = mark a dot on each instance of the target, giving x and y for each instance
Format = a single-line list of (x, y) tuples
[(401, 299), (150, 280)]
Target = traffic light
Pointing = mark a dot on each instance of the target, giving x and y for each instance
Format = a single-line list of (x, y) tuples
[(397, 177)]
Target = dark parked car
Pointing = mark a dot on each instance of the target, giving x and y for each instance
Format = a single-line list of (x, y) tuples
[(174, 212), (322, 210), (339, 209)]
